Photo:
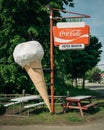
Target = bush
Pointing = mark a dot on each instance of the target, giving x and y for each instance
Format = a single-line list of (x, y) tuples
[(2, 109)]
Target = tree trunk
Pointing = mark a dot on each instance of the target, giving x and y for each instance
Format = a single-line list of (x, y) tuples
[(76, 83), (83, 82)]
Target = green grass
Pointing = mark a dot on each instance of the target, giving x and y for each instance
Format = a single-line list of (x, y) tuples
[(42, 116), (79, 91)]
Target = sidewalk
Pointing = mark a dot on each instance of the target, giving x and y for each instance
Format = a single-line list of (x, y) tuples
[(91, 126)]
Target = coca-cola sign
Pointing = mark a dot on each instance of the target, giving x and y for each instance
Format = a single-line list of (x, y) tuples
[(75, 35), (70, 33)]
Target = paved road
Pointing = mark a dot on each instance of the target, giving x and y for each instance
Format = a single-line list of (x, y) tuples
[(91, 126), (96, 87)]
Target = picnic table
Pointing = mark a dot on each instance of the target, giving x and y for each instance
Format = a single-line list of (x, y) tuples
[(21, 101), (78, 102), (25, 98)]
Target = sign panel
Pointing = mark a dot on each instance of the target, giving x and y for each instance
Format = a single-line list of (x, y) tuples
[(70, 24), (71, 46), (74, 35)]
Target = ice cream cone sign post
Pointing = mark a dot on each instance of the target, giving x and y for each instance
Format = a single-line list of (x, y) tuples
[(29, 56)]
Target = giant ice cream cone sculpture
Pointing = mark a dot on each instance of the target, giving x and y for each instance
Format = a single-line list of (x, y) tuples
[(29, 55)]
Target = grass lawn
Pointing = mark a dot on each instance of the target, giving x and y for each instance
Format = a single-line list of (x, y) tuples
[(42, 116)]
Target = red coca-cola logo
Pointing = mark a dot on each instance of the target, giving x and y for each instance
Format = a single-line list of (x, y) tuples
[(70, 33)]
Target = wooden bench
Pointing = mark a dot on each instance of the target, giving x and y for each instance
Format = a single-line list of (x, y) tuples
[(13, 108), (86, 107), (82, 107), (33, 105), (10, 104)]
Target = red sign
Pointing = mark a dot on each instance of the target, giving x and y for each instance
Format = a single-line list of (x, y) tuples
[(77, 35)]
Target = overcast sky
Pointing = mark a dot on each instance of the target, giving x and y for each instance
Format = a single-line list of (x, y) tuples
[(95, 9)]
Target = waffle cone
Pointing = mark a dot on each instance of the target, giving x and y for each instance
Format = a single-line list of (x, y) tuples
[(34, 70)]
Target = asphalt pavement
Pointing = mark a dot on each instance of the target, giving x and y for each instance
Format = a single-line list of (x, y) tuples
[(96, 87)]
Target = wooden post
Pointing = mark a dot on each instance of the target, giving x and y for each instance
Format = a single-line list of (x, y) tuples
[(51, 61)]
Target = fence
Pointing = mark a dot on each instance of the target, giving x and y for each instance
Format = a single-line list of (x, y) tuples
[(7, 97)]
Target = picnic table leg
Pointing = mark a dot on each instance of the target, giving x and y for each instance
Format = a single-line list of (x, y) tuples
[(21, 107), (81, 111), (65, 106), (64, 109), (13, 109), (28, 112), (90, 100)]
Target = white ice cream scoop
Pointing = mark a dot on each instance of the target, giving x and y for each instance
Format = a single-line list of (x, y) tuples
[(27, 52), (29, 55)]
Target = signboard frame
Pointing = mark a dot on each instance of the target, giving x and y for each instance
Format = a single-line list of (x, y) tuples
[(71, 35)]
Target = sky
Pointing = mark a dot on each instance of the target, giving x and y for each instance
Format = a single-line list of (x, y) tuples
[(95, 9)]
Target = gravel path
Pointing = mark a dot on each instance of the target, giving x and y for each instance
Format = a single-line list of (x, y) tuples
[(99, 125)]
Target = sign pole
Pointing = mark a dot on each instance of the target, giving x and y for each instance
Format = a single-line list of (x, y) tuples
[(51, 61), (51, 48)]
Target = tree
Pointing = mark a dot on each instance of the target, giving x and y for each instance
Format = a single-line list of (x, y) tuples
[(94, 75), (85, 59), (24, 20)]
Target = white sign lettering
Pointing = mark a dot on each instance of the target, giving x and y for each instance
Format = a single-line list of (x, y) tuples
[(70, 33)]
